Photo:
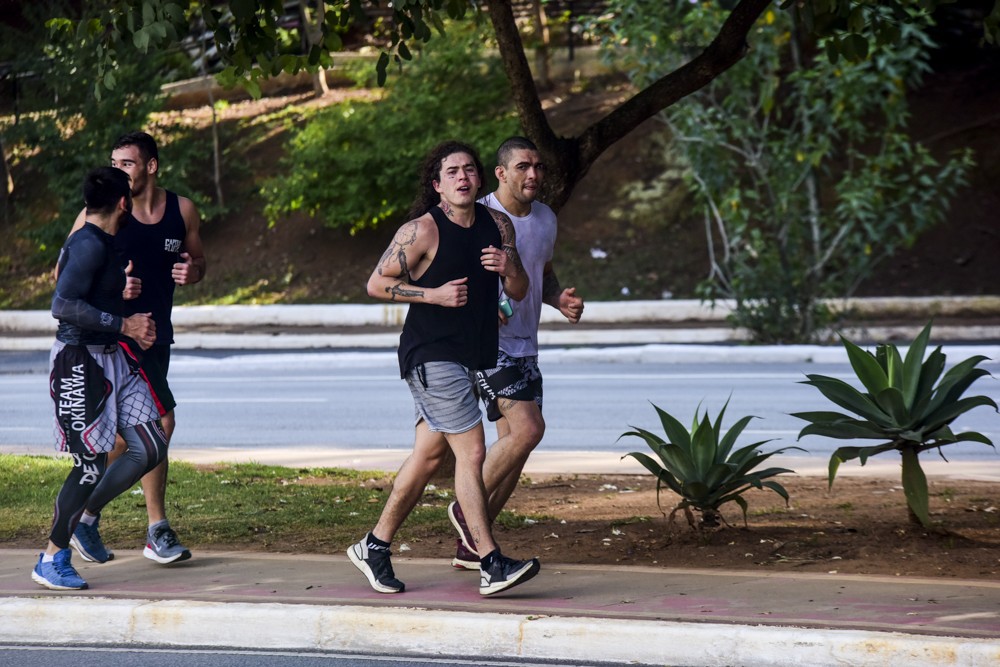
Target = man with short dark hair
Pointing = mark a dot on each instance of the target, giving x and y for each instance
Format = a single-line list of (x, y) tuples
[(448, 263), (512, 390), (96, 390)]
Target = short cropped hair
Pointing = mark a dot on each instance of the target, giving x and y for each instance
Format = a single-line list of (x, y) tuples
[(512, 144), (103, 188), (141, 140)]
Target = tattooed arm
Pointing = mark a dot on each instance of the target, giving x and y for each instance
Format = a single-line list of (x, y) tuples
[(410, 253), (506, 261), (564, 300)]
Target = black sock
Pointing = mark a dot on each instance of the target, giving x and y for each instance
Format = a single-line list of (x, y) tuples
[(488, 559), (377, 544)]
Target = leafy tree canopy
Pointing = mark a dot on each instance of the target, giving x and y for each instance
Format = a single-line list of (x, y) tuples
[(246, 32)]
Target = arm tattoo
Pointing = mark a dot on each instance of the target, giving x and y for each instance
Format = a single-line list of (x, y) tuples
[(507, 238), (550, 287), (399, 290), (405, 237)]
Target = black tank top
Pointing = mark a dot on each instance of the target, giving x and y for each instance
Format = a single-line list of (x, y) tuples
[(469, 334), (154, 249)]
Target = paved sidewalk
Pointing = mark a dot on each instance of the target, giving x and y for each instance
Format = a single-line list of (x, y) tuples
[(637, 615)]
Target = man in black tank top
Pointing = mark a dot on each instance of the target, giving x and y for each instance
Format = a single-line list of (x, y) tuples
[(162, 248), (448, 263)]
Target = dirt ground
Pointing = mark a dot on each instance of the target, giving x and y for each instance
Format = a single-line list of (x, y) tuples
[(860, 527)]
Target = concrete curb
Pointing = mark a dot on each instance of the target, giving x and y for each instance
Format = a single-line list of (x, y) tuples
[(682, 322), (597, 312), (422, 632)]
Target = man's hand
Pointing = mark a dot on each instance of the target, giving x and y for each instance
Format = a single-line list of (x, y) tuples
[(570, 305), (495, 259), (141, 328), (453, 294), (185, 272), (133, 286)]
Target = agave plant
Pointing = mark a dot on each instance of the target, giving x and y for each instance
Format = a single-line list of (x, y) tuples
[(904, 405), (701, 467)]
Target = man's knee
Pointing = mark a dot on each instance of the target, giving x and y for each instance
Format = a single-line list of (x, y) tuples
[(527, 427), (146, 444)]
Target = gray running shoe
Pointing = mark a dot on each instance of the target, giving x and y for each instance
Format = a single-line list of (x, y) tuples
[(163, 546)]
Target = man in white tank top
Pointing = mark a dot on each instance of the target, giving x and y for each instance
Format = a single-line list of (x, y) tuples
[(513, 390)]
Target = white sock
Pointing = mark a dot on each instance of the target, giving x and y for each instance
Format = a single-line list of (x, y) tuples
[(48, 558), (88, 518)]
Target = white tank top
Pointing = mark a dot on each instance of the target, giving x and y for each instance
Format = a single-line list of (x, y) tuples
[(536, 241)]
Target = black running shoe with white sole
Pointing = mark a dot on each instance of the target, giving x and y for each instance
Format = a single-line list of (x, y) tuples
[(504, 573), (374, 563)]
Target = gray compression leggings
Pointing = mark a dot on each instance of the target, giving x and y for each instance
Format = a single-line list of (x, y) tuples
[(92, 483)]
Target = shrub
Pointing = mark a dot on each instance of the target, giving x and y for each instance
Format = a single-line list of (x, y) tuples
[(701, 467), (904, 405), (355, 164)]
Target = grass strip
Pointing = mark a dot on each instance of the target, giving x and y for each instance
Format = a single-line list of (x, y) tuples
[(234, 506)]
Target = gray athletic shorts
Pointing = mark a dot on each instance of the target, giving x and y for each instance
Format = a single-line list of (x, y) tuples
[(95, 393), (444, 396)]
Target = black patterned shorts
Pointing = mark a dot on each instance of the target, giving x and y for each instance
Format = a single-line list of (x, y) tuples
[(517, 378)]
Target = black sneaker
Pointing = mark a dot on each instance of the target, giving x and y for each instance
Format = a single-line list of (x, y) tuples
[(504, 573), (375, 564)]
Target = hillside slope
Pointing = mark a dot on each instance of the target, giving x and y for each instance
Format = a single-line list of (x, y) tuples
[(612, 245)]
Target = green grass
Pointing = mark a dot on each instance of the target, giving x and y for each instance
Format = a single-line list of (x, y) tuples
[(247, 506)]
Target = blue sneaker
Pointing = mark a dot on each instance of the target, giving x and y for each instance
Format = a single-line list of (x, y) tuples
[(87, 542), (59, 575)]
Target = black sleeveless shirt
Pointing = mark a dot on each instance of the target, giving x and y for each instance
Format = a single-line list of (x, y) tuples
[(154, 249), (468, 334)]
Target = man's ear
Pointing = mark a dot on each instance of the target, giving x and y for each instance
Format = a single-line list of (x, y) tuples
[(499, 172), (153, 165)]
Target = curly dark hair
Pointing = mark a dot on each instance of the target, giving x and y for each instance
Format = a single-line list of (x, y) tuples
[(430, 171)]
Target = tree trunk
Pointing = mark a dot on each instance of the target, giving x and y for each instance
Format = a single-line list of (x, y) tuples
[(569, 159), (6, 182), (314, 35), (216, 153), (542, 51)]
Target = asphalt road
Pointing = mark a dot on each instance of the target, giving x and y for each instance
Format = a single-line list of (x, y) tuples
[(357, 401)]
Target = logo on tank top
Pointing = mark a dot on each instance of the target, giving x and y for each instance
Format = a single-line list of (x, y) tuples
[(172, 245)]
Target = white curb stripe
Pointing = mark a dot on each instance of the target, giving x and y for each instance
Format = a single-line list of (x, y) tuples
[(421, 632)]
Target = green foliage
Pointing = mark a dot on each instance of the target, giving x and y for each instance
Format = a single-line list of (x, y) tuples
[(250, 40), (701, 466), (904, 404), (65, 132), (805, 173), (355, 164), (234, 504)]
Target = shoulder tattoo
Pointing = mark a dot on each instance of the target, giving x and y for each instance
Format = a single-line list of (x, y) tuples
[(405, 237)]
